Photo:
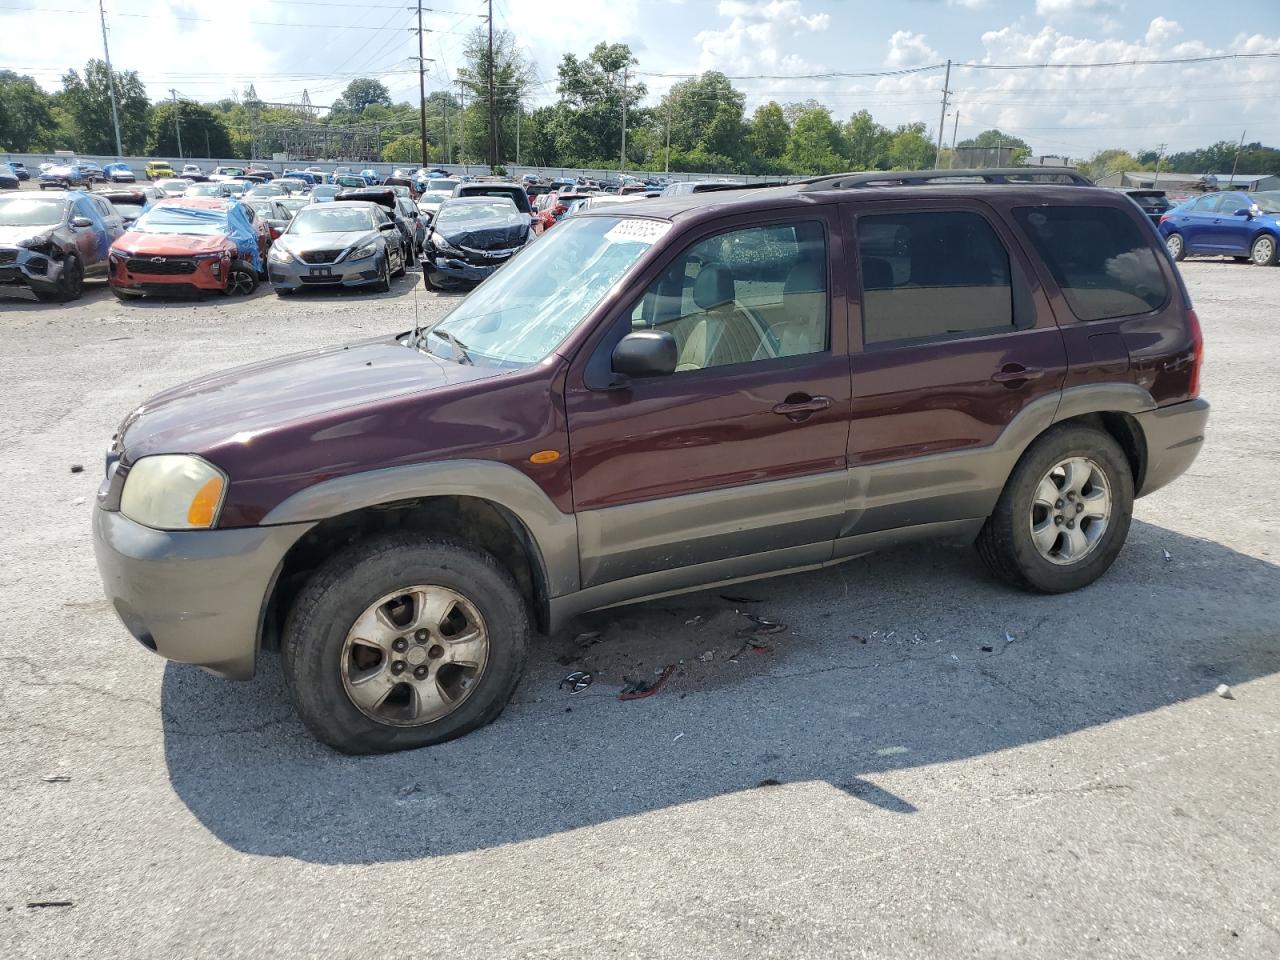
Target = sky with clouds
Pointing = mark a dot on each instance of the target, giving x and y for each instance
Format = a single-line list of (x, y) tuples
[(780, 48)]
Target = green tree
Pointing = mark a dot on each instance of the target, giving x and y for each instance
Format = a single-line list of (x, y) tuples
[(512, 75), (769, 132), (87, 101), (403, 149), (589, 129), (204, 134), (867, 143), (360, 94), (26, 113), (814, 145), (704, 113), (910, 149), (1109, 161)]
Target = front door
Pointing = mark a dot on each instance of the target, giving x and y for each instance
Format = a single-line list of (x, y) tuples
[(956, 343), (734, 464)]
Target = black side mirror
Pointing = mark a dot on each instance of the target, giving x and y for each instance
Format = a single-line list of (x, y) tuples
[(645, 353), (1244, 212), (387, 226)]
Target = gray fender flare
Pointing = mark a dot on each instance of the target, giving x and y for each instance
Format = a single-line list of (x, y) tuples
[(554, 534)]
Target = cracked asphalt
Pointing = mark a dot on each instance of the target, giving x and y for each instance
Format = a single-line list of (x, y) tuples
[(874, 784)]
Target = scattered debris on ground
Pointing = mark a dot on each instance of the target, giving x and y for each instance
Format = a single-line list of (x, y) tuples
[(769, 782), (40, 904), (577, 681), (1225, 692), (733, 599), (986, 648), (77, 468), (639, 689), (56, 778), (677, 736)]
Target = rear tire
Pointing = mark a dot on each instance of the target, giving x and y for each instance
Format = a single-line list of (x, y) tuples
[(1176, 246), (320, 661), (404, 265), (1007, 543)]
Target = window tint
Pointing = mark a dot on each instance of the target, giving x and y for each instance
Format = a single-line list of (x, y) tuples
[(928, 275), (1205, 204), (753, 294), (1104, 264)]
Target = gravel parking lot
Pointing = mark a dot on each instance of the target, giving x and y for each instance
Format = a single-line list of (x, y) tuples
[(925, 764)]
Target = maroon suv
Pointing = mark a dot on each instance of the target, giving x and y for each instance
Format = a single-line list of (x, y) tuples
[(652, 399)]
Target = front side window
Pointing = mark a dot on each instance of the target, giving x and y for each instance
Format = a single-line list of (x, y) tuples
[(757, 293), (932, 275), (1105, 266)]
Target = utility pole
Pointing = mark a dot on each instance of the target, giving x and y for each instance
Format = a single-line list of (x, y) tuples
[(111, 80), (1159, 157), (951, 161), (462, 127), (666, 165), (493, 106), (946, 92), (622, 160), (519, 122), (177, 127), (1236, 161), (422, 85)]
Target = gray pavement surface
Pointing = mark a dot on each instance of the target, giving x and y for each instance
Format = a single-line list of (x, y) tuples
[(1078, 792)]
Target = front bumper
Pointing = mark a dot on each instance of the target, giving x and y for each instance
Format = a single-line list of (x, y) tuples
[(452, 268), (20, 267), (204, 278), (194, 596), (1174, 435), (296, 276)]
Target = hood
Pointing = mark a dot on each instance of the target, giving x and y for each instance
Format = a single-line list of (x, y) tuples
[(492, 238), (322, 392), (12, 235), (303, 243), (170, 244)]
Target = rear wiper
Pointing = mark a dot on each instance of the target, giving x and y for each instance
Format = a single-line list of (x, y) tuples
[(459, 348)]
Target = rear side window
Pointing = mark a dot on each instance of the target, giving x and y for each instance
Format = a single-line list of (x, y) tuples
[(932, 275), (1106, 266)]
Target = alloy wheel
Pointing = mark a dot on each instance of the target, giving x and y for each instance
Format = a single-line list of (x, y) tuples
[(240, 283), (414, 656), (1174, 244), (1070, 511), (1264, 249)]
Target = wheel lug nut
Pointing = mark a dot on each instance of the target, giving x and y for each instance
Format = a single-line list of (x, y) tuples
[(420, 672), (436, 651), (1057, 505), (399, 644), (397, 666), (1058, 520), (1071, 524), (1079, 508), (421, 636)]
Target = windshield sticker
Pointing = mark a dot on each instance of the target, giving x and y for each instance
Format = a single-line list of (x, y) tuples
[(638, 231)]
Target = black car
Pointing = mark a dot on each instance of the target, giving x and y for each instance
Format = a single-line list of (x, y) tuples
[(470, 238), (1154, 203)]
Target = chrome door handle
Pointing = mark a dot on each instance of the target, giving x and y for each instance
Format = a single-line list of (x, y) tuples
[(1016, 373), (799, 406)]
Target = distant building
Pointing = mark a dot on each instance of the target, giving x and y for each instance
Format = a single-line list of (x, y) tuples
[(980, 158), (1048, 161), (1190, 182)]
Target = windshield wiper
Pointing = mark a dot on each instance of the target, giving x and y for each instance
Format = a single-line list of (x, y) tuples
[(459, 348)]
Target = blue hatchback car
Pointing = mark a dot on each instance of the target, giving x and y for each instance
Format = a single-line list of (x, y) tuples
[(1241, 225)]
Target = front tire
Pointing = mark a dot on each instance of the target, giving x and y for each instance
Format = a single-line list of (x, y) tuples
[(70, 285), (1064, 513), (1176, 246), (399, 642), (1263, 252), (242, 279), (384, 283)]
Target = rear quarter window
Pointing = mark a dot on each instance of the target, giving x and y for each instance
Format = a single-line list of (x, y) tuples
[(1104, 262)]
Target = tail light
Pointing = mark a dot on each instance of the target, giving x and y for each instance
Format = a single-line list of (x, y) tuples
[(1164, 217), (1197, 349), (275, 233)]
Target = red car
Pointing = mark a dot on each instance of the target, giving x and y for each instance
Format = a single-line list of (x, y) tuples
[(550, 207), (190, 245)]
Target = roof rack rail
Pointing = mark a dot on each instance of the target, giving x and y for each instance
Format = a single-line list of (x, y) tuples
[(916, 178)]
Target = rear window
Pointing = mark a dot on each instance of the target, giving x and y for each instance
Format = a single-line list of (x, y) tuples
[(1106, 266), (1152, 202), (932, 275)]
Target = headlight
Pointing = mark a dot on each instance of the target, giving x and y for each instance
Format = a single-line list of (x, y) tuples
[(279, 254), (363, 253), (173, 492), (440, 243), (209, 256)]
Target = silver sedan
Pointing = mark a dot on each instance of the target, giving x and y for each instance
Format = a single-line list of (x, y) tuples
[(343, 243)]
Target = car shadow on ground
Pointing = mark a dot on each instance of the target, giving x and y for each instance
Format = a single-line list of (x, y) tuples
[(22, 300), (900, 660)]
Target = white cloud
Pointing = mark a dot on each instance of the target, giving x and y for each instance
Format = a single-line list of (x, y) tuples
[(1064, 8), (969, 4), (908, 49)]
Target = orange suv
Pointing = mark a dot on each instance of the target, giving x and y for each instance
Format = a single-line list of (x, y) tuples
[(190, 245)]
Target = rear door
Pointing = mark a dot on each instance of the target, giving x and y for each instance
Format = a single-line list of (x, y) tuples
[(737, 460), (956, 342)]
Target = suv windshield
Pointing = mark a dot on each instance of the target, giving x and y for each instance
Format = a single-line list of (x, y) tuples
[(326, 219), (31, 211), (523, 312), (182, 220)]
